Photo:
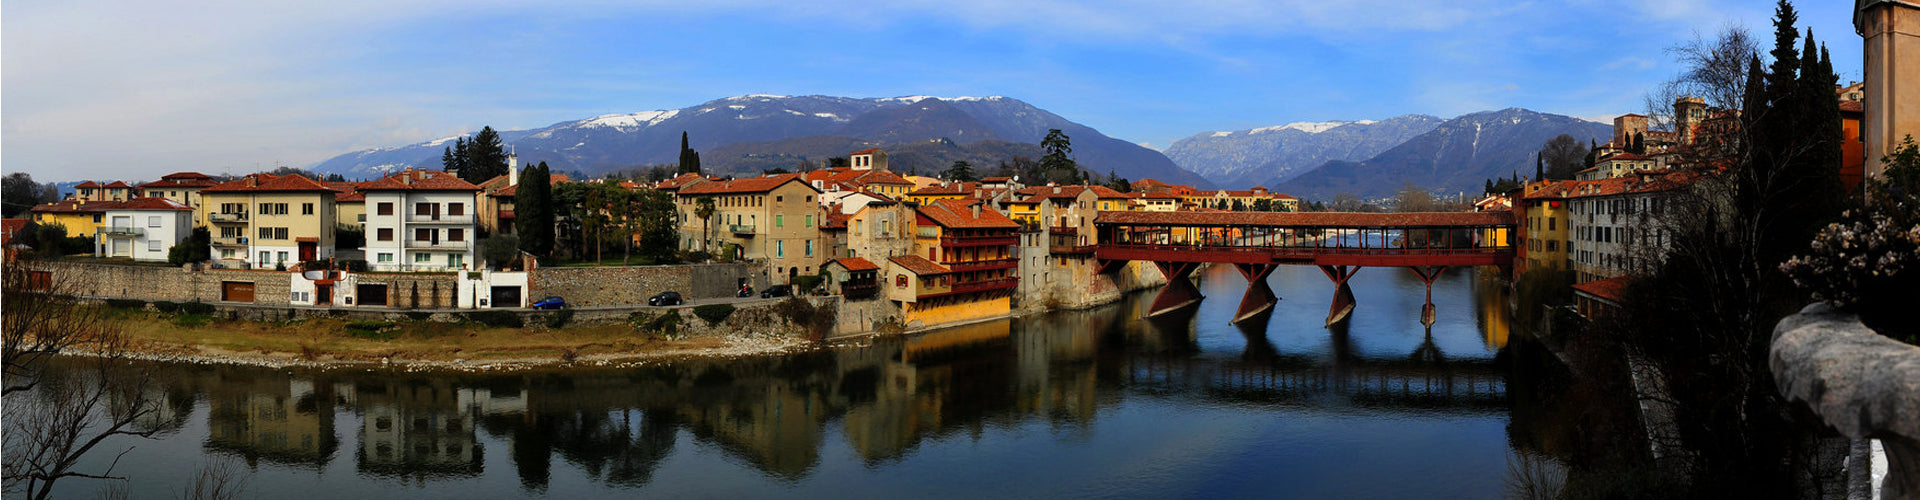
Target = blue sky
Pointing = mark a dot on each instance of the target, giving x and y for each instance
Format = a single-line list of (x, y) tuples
[(132, 90)]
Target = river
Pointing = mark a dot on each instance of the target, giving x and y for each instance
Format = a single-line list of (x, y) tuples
[(1096, 403)]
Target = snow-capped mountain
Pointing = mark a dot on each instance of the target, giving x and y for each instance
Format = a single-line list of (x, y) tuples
[(1458, 155), (746, 130), (1244, 158)]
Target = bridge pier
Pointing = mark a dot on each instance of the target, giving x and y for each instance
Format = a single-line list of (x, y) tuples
[(1342, 294), (1259, 297), (1179, 291), (1427, 274)]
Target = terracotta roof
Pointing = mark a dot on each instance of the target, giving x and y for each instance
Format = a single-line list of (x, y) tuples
[(749, 185), (1548, 189), (1612, 289), (1624, 157), (118, 184), (267, 182), (87, 184), (836, 220), (959, 214), (1853, 107), (1308, 219), (952, 188), (919, 265), (182, 180), (10, 227), (419, 180), (858, 264), (1107, 192), (867, 151), (996, 179), (879, 177), (147, 204), (69, 206)]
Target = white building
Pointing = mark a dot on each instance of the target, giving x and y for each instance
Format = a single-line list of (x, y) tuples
[(420, 220), (144, 229), (1615, 227)]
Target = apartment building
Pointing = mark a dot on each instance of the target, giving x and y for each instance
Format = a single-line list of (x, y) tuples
[(143, 229), (774, 219), (183, 188), (266, 220), (420, 220), (964, 266)]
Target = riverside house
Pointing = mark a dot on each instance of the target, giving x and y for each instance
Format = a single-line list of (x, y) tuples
[(266, 220), (420, 220), (774, 219)]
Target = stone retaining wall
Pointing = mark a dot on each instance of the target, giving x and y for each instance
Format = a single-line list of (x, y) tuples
[(602, 286)]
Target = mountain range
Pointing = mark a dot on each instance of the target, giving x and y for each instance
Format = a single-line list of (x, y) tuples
[(1257, 156), (746, 134), (1457, 155)]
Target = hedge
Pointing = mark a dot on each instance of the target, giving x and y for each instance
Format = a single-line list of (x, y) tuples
[(713, 313)]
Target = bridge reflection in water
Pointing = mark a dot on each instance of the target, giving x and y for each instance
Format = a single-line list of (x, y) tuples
[(1340, 244), (883, 400)]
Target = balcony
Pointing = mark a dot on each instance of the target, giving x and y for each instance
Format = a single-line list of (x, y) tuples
[(228, 218), (1070, 249), (979, 241), (976, 286), (746, 229), (1064, 230), (439, 219), (982, 265), (439, 245), (229, 241), (121, 231)]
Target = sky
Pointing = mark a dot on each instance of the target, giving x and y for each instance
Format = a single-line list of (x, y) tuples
[(133, 89)]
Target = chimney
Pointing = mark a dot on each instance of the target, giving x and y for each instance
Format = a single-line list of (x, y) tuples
[(976, 210), (406, 177), (1056, 189), (513, 174)]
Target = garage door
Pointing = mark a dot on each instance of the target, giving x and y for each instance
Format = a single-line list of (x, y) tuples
[(505, 296), (236, 291), (371, 295)]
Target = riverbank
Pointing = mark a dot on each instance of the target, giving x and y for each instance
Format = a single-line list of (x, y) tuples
[(424, 345)]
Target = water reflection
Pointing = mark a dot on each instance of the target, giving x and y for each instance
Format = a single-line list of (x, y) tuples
[(783, 416)]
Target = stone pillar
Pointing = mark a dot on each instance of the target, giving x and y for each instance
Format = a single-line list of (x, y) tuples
[(1891, 30)]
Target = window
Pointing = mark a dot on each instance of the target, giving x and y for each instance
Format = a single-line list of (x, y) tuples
[(266, 233), (306, 209), (809, 221), (456, 234), (809, 248), (384, 208), (360, 218), (226, 253), (282, 256), (383, 257), (153, 221), (422, 258), (384, 234), (154, 246), (779, 199), (279, 233), (423, 235), (456, 209), (779, 221), (1551, 223), (455, 260), (264, 256), (779, 249), (423, 209)]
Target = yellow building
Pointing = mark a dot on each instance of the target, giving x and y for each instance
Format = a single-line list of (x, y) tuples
[(963, 266), (73, 214), (269, 220), (183, 188), (1545, 225), (942, 191)]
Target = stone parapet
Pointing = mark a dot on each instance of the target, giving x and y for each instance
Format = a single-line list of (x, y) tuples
[(1864, 385)]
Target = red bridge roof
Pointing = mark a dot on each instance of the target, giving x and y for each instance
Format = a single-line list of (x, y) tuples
[(1308, 219)]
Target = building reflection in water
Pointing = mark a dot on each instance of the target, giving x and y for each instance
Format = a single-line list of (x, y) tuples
[(772, 413), (280, 419)]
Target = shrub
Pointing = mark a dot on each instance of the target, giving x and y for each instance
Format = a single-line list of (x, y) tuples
[(713, 313), (166, 306), (126, 303), (419, 315), (807, 284), (698, 256), (196, 308), (496, 319), (355, 265), (559, 318), (191, 320), (568, 355), (667, 324)]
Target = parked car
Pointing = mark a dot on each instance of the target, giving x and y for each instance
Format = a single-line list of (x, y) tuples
[(777, 291), (665, 299), (550, 303)]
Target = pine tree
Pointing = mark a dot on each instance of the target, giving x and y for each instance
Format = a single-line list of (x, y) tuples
[(1058, 164), (485, 157), (961, 171)]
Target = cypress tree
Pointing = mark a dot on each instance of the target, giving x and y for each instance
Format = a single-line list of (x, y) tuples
[(689, 159), (533, 207), (1786, 60)]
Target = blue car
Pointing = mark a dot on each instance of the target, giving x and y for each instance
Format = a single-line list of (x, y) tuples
[(550, 303)]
